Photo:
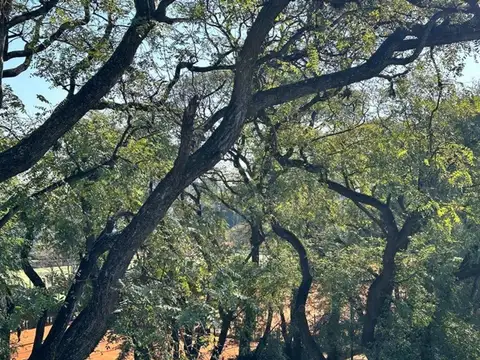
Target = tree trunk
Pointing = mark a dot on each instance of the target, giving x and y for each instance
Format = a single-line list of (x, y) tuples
[(298, 315), (227, 317), (7, 307), (176, 343), (4, 340), (262, 343), (382, 287), (249, 323), (247, 330), (37, 282), (378, 293), (256, 240), (287, 338)]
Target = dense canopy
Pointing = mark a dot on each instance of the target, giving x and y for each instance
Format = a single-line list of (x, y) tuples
[(298, 178)]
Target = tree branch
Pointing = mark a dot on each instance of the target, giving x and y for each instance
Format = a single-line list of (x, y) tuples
[(104, 296), (388, 219), (68, 25), (298, 313), (31, 149), (427, 35), (186, 133), (44, 9)]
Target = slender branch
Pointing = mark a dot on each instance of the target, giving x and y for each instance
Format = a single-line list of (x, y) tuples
[(68, 25), (37, 282), (75, 177), (388, 219)]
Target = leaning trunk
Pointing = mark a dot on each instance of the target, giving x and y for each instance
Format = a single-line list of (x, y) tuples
[(264, 339), (378, 293), (249, 323), (298, 314), (286, 335), (227, 317)]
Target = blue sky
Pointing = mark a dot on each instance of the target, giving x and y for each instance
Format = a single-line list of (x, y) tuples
[(471, 72), (27, 86)]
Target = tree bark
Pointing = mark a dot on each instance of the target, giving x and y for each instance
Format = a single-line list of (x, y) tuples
[(287, 338), (382, 287), (31, 149), (262, 343), (90, 326), (227, 317), (298, 314)]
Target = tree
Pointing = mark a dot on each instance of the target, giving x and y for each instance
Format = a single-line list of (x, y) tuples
[(281, 35)]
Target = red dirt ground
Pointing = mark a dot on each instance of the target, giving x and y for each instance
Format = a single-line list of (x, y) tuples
[(104, 350), (110, 351)]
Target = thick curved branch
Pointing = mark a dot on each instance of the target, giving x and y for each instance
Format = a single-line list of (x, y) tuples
[(17, 70), (104, 297), (298, 313), (383, 57), (31, 149), (388, 218)]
